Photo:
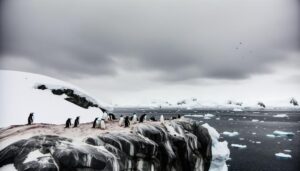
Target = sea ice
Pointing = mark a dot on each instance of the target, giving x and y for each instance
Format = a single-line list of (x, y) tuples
[(230, 134), (281, 116), (239, 146), (283, 134), (254, 120), (283, 155), (288, 151)]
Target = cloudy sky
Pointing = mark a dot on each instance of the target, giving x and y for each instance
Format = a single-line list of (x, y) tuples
[(131, 51)]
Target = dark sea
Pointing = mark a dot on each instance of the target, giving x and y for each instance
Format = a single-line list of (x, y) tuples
[(253, 127)]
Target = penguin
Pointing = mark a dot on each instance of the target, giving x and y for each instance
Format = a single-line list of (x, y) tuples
[(142, 118), (152, 118), (95, 122), (76, 122), (134, 119), (30, 119), (68, 123), (162, 120), (178, 116), (126, 122), (121, 121), (111, 116), (102, 124), (105, 117)]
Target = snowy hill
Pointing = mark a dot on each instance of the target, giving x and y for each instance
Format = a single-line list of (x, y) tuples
[(20, 96)]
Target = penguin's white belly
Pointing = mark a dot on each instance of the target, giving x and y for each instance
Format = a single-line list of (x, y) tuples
[(102, 124), (121, 122)]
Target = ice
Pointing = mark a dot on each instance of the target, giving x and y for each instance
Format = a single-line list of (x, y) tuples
[(237, 110), (220, 151), (230, 119), (271, 135), (197, 116), (287, 151), (8, 167), (239, 146), (254, 120), (283, 155), (230, 134), (283, 133), (281, 116)]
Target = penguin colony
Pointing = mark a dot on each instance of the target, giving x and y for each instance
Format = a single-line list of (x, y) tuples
[(100, 123)]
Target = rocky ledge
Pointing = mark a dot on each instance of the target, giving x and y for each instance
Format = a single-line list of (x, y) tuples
[(174, 145)]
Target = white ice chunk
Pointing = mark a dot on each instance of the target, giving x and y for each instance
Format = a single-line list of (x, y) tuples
[(230, 134), (239, 146), (283, 155), (254, 120), (288, 151), (281, 116), (283, 133)]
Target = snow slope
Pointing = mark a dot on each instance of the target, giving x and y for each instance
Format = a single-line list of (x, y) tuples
[(19, 97)]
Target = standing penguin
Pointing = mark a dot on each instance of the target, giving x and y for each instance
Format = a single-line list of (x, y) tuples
[(30, 119), (142, 118), (162, 119), (102, 124), (95, 122), (178, 116), (127, 122), (134, 119), (152, 118), (68, 123), (121, 121), (105, 117), (76, 123), (111, 116)]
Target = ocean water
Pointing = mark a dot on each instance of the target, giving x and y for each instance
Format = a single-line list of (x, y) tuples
[(253, 128)]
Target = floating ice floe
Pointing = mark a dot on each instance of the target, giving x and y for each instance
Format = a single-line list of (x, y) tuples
[(237, 110), (283, 134), (281, 116), (239, 146), (271, 135), (258, 142), (230, 134), (230, 119), (287, 151), (283, 155), (208, 116), (196, 116), (254, 120)]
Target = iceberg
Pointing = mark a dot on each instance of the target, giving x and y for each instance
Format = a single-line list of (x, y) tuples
[(281, 116)]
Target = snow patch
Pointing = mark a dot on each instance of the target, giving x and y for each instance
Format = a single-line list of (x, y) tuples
[(34, 155), (8, 167)]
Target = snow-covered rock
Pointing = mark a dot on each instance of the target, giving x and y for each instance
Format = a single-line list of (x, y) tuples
[(23, 93), (175, 145)]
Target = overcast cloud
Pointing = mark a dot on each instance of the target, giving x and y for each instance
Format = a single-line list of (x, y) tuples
[(158, 42)]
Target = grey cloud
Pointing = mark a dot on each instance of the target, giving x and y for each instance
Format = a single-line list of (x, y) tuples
[(179, 40)]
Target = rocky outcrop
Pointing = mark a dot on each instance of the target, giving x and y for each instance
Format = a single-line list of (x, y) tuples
[(71, 97), (175, 145)]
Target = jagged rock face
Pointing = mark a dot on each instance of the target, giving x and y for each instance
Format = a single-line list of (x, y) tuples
[(71, 97), (176, 145)]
